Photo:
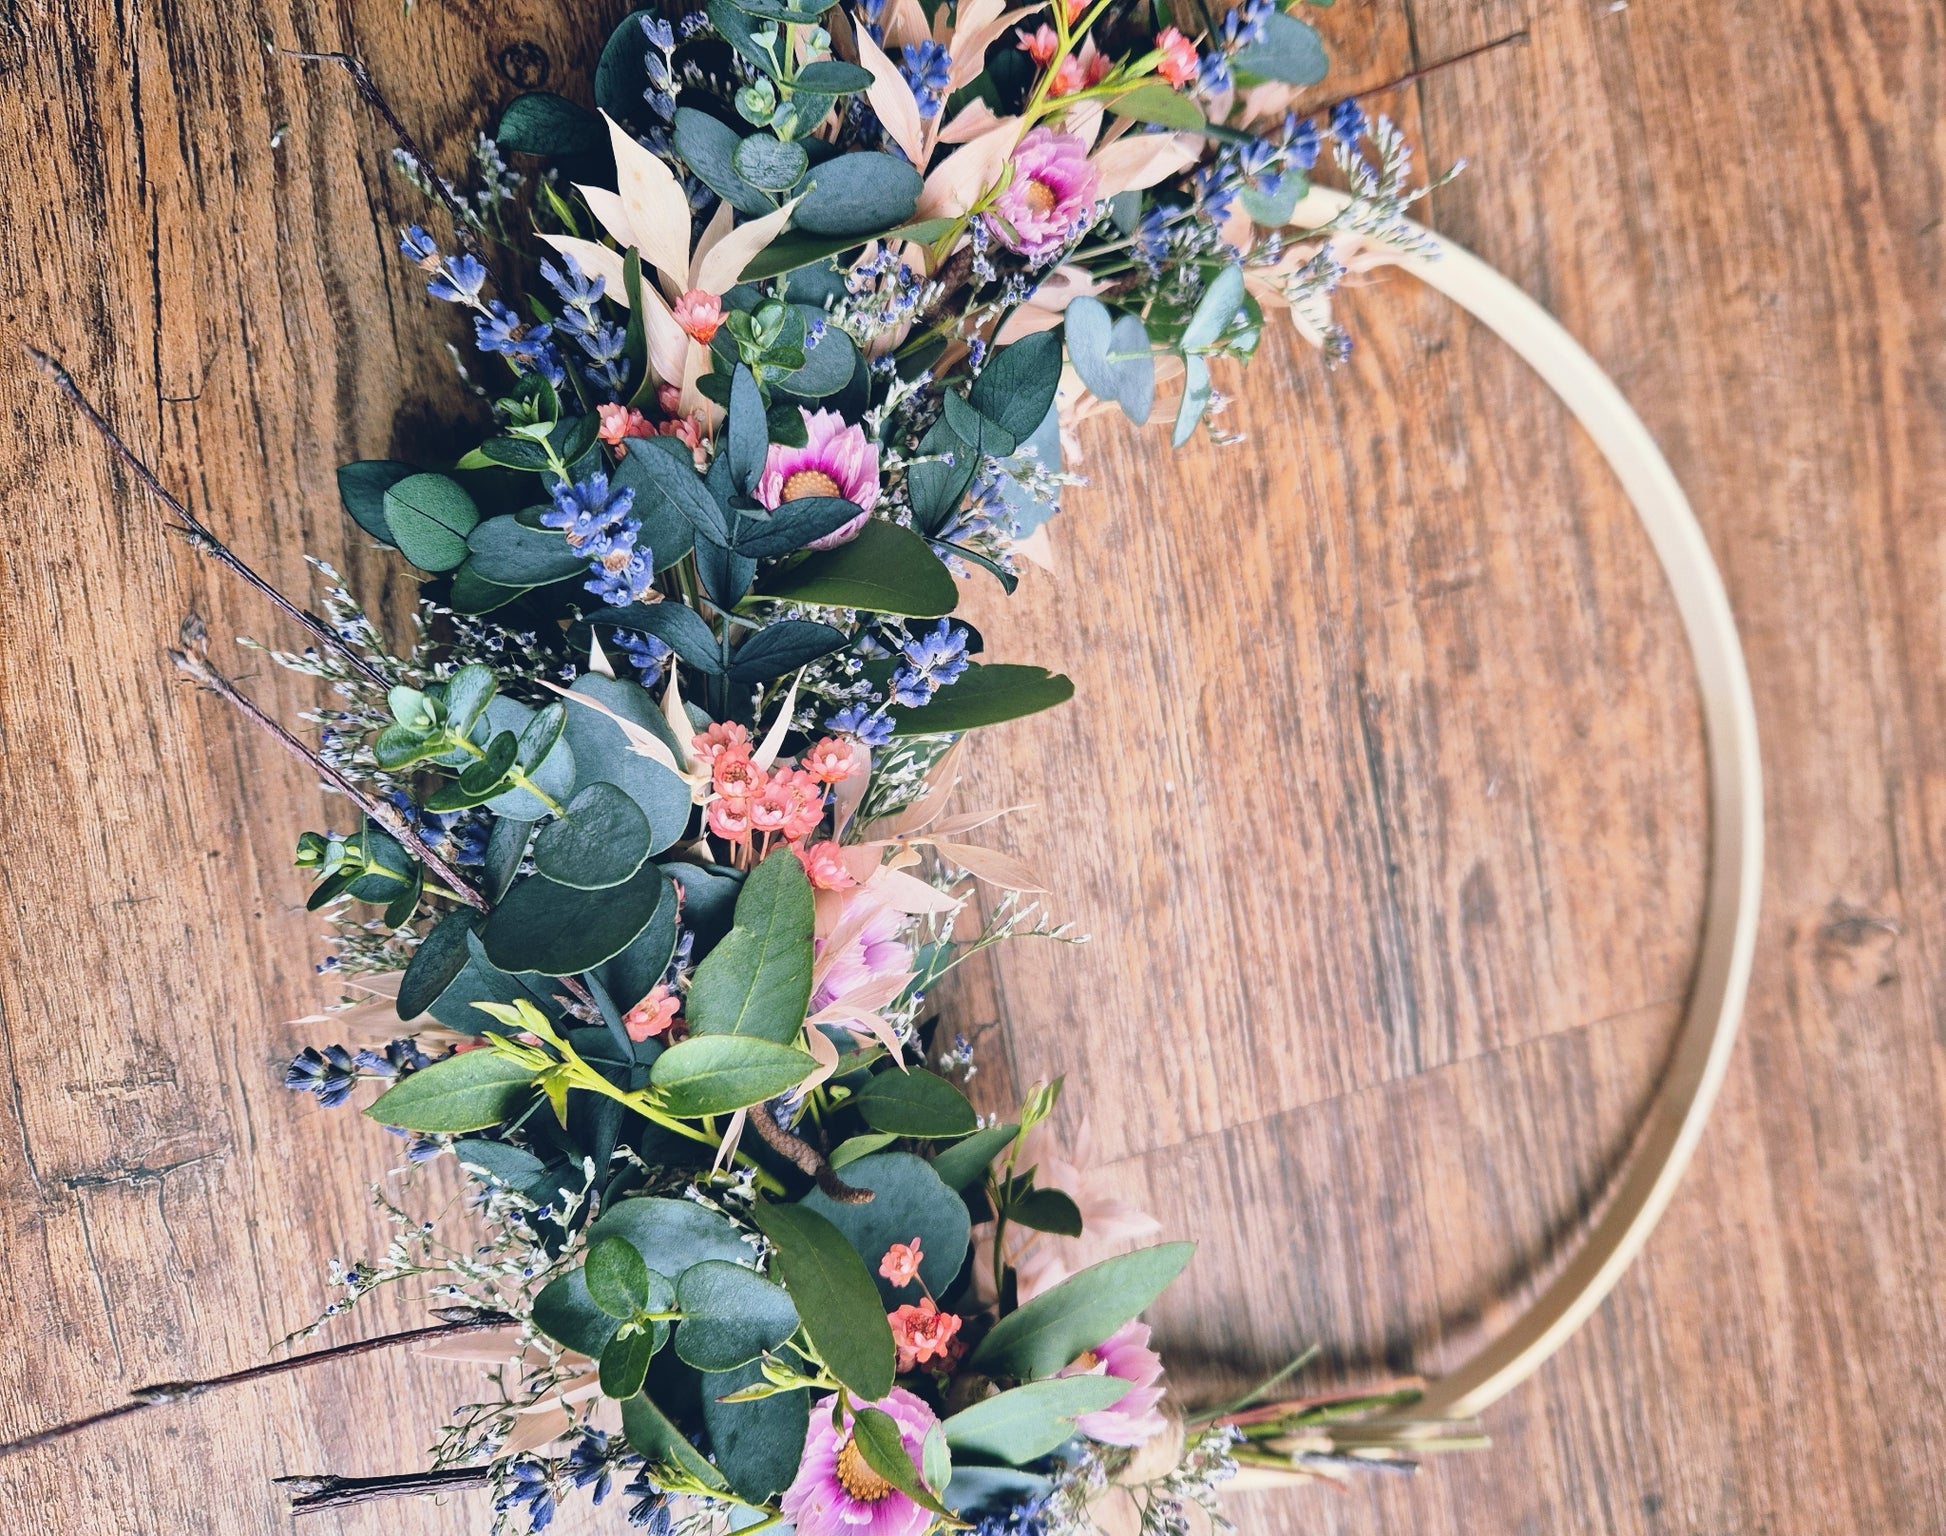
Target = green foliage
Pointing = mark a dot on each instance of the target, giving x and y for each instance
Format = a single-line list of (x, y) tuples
[(986, 693), (601, 841), (568, 1314), (858, 195), (652, 1433), (882, 1444), (965, 1162), (671, 1235), (1155, 101), (509, 553), (1111, 353), (542, 123), (836, 1297), (618, 1279), (468, 1092), (1053, 1329), (731, 1315), (757, 1444), (916, 1103), (908, 1200), (362, 487), (757, 981), (885, 569), (1016, 387), (553, 929), (715, 1074), (1024, 1424), (429, 518), (1291, 52)]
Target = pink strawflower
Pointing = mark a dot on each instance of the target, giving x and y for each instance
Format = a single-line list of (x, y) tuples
[(729, 819), (828, 761), (1080, 70), (836, 460), (1040, 45), (620, 421), (1135, 1417), (873, 953), (653, 1015), (689, 431), (825, 866), (1052, 192), (901, 1262), (1178, 63), (699, 313), (720, 737), (669, 398), (837, 1493), (734, 776), (925, 1333)]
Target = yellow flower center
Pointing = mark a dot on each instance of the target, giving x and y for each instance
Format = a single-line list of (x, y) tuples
[(811, 482), (1087, 1360), (859, 1480), (1040, 197)]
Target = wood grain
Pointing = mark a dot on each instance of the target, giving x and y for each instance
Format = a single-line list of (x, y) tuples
[(1381, 795)]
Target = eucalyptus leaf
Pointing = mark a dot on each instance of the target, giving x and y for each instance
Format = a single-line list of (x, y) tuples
[(671, 1235), (542, 123), (709, 148), (603, 753), (835, 1296), (618, 1280), (731, 1315), (429, 517), (908, 1200), (758, 1444), (1056, 1327), (625, 1361), (861, 194), (1195, 399), (556, 930), (655, 1436), (506, 847), (362, 487), (770, 164), (508, 553), (834, 77), (1290, 53), (567, 1314), (601, 841), (435, 964), (1017, 385)]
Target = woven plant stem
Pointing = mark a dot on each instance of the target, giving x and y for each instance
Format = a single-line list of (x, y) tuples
[(461, 1321), (194, 529)]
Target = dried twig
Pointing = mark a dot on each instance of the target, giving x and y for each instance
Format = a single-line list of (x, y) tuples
[(1434, 68), (318, 1491), (193, 661), (456, 1321), (807, 1157), (361, 77), (193, 528)]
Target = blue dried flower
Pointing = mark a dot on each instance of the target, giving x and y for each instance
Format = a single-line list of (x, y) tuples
[(459, 281), (928, 69), (328, 1074), (869, 725), (1348, 123)]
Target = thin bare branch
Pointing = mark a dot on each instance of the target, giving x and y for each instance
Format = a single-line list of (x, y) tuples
[(320, 1492)]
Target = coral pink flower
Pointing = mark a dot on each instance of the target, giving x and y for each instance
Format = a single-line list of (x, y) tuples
[(925, 1333), (1040, 45), (873, 953), (901, 1262), (836, 460), (1135, 1417), (721, 736), (825, 866), (1178, 63), (806, 803), (1080, 70), (620, 421), (836, 1492), (1051, 194), (653, 1015), (699, 313), (734, 776), (669, 398), (688, 430), (828, 761), (729, 819)]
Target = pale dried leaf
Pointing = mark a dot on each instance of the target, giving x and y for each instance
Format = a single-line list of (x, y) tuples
[(990, 865), (655, 205), (1139, 160), (823, 1052), (720, 270), (908, 893), (892, 99), (598, 662), (972, 120), (641, 741), (957, 182), (905, 22), (732, 1134), (610, 212), (773, 741)]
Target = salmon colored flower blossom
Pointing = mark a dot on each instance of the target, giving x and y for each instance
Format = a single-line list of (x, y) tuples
[(669, 399), (1178, 63), (1080, 70), (1040, 45), (824, 865), (653, 1015), (621, 421), (901, 1262), (698, 312), (729, 819), (828, 761), (735, 777), (922, 1333), (720, 737)]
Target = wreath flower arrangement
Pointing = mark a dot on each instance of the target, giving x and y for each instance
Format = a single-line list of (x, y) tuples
[(657, 814)]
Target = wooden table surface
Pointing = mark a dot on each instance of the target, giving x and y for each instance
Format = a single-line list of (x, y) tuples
[(1382, 795)]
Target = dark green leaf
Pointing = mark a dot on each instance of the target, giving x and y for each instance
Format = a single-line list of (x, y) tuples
[(1273, 210), (976, 431), (567, 1314), (783, 647), (835, 1296), (916, 1103), (1051, 1331), (625, 1361), (676, 625), (834, 77), (757, 981), (1112, 356), (435, 963), (473, 593), (829, 364), (665, 483), (506, 847), (362, 487), (629, 976), (1291, 53), (602, 752), (770, 164), (1026, 1423), (791, 251), (795, 524), (650, 1432), (966, 1162), (709, 148), (1047, 1210), (936, 485), (857, 195), (748, 437), (671, 1235), (986, 693), (731, 1315), (757, 1444), (511, 1166), (885, 569), (1016, 387), (541, 123), (908, 1200), (468, 1092), (429, 518), (468, 692), (601, 841), (556, 930), (508, 553), (618, 1281), (735, 27), (715, 1074), (620, 74), (521, 453), (855, 1147)]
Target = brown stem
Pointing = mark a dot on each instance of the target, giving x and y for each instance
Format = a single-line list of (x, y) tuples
[(457, 1321), (321, 1491), (367, 88), (806, 1157), (1431, 69), (193, 528), (193, 660)]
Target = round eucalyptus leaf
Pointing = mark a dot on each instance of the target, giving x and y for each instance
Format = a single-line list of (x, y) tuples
[(769, 163), (557, 930), (436, 963), (908, 1200), (731, 1315), (862, 194), (601, 841), (429, 518)]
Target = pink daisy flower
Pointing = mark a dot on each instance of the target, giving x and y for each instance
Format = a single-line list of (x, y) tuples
[(699, 313), (1135, 1418), (836, 460), (838, 1494), (1052, 191), (873, 953)]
